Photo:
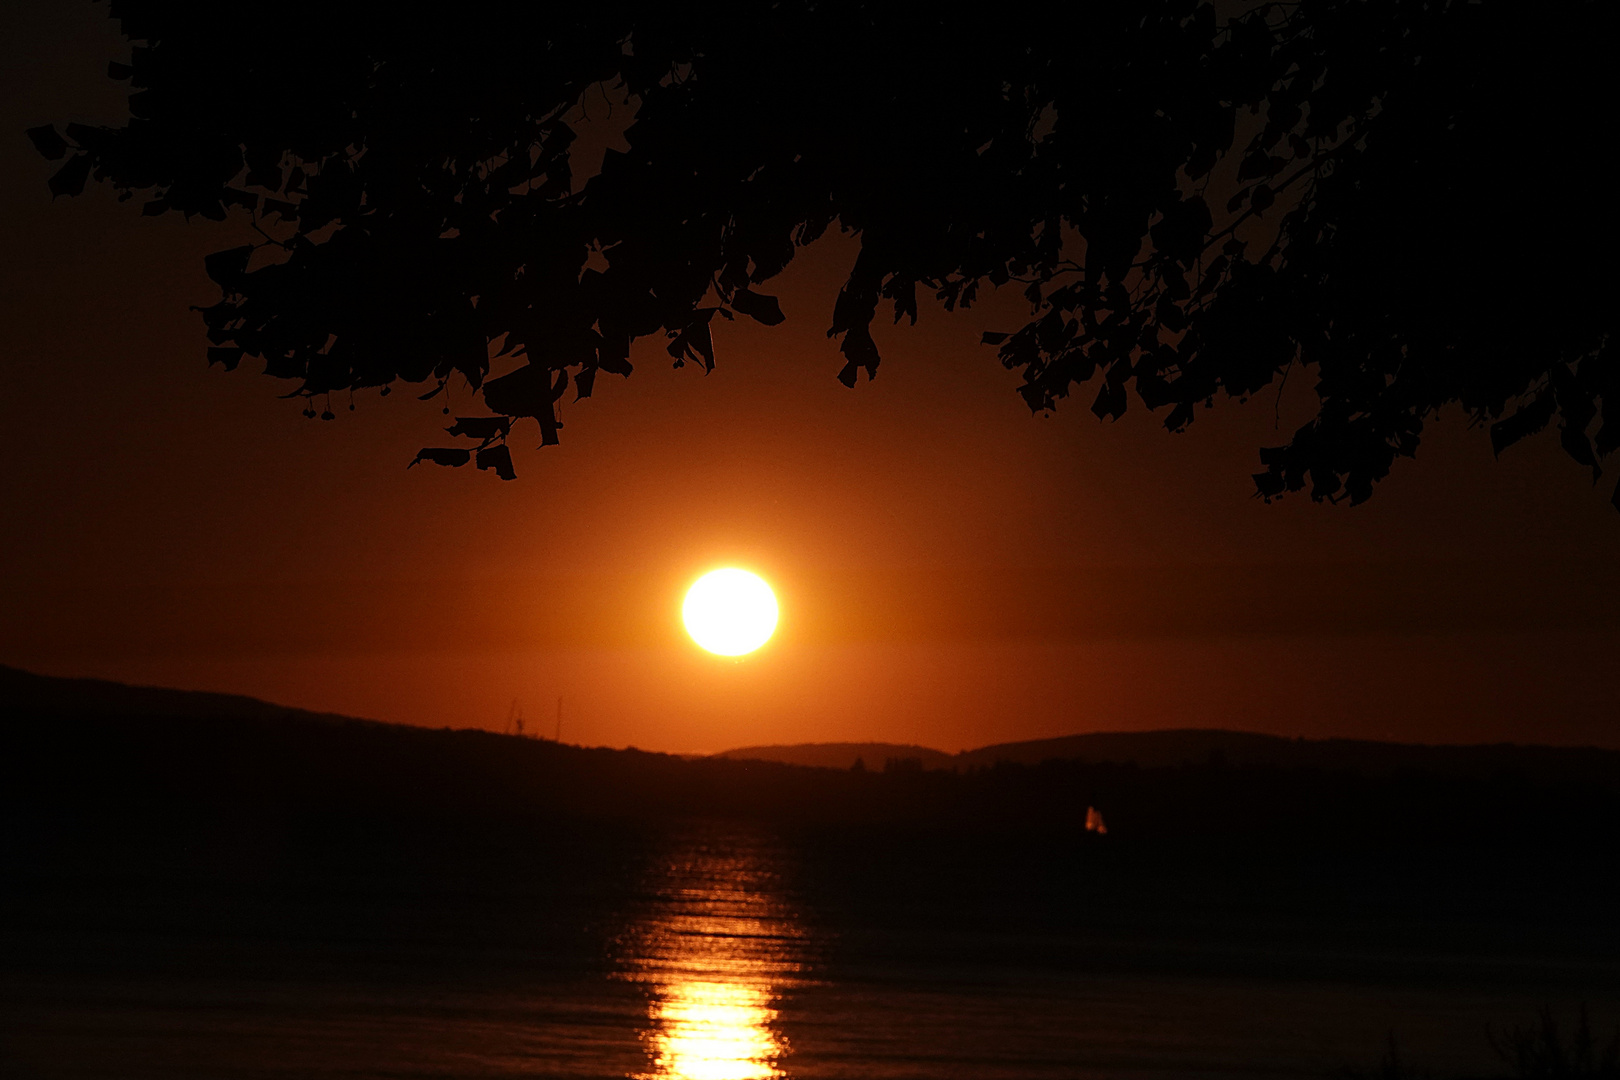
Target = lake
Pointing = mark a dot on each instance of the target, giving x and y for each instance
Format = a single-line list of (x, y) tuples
[(732, 951)]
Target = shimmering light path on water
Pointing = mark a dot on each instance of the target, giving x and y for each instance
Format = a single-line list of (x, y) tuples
[(716, 945)]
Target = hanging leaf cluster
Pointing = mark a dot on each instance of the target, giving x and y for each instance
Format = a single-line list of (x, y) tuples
[(1396, 205)]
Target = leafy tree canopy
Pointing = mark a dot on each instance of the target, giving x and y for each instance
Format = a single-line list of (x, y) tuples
[(1399, 199)]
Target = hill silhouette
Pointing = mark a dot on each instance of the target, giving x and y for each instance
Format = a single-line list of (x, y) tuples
[(40, 696), (45, 695), (195, 726), (1182, 747), (98, 757), (210, 814)]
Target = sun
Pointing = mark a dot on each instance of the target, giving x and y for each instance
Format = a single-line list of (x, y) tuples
[(730, 612)]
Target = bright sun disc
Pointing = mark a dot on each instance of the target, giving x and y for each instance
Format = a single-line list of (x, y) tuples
[(730, 612)]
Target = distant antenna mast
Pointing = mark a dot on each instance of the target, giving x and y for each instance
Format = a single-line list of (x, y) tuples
[(559, 719), (514, 719)]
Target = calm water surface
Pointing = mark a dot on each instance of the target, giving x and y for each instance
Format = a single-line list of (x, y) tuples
[(715, 960)]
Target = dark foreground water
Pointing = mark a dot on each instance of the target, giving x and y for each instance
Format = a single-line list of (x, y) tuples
[(720, 951)]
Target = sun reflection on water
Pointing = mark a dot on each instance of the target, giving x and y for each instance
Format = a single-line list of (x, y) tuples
[(717, 946), (714, 1031)]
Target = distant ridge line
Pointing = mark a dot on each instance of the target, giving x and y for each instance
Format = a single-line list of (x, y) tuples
[(51, 695), (843, 755), (25, 695), (1171, 747)]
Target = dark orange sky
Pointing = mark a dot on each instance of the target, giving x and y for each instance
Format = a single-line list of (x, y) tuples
[(952, 570)]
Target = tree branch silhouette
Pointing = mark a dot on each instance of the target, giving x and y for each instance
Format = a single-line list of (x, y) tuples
[(428, 214)]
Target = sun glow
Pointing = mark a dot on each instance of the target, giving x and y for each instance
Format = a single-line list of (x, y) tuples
[(730, 612)]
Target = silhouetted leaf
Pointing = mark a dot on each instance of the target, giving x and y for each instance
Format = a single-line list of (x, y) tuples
[(695, 342), (286, 366), (1269, 485), (1110, 401), (484, 428), (48, 142), (227, 268), (70, 178), (1527, 420), (226, 356), (498, 458), (87, 137), (758, 306), (442, 455), (861, 352), (613, 353), (524, 392)]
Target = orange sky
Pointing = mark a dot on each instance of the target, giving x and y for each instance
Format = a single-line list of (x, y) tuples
[(952, 570)]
